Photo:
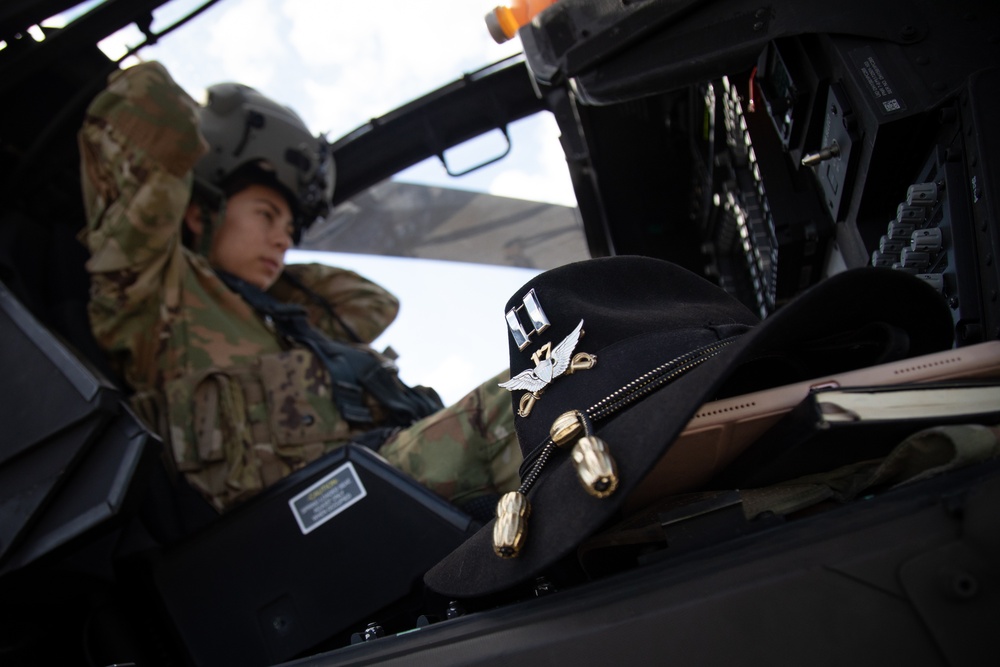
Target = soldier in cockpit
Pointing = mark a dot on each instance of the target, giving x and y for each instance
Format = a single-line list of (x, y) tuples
[(250, 369)]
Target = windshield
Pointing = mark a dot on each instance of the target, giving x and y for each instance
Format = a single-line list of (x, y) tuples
[(341, 64)]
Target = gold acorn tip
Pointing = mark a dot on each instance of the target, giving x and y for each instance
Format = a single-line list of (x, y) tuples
[(595, 466), (566, 427), (511, 525)]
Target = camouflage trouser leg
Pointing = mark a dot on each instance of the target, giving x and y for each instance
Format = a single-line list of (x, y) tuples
[(465, 451)]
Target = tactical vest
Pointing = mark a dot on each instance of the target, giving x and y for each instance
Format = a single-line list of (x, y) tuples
[(352, 370)]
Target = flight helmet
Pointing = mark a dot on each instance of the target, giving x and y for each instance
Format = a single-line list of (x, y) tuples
[(248, 131)]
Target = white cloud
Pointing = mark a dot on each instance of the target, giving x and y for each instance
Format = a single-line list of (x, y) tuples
[(341, 64), (338, 64), (369, 58), (246, 42), (420, 39)]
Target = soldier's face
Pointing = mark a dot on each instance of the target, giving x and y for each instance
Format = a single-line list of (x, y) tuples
[(253, 237)]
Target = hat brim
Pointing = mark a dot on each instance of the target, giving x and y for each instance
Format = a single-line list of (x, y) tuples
[(563, 514)]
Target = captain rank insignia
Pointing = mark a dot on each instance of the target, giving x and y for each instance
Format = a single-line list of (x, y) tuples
[(550, 362)]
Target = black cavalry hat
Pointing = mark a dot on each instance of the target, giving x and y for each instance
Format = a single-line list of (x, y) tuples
[(611, 357)]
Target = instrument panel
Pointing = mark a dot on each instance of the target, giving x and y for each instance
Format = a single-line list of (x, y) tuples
[(770, 147)]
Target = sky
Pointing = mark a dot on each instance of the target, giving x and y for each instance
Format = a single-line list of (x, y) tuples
[(339, 64)]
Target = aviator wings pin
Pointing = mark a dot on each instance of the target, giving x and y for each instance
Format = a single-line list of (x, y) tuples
[(556, 362)]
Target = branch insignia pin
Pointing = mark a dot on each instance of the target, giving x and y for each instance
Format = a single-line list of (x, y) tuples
[(550, 363)]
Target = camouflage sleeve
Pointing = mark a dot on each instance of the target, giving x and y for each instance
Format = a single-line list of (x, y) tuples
[(138, 143), (357, 302)]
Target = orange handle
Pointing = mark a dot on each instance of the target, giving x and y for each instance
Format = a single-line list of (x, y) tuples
[(504, 21)]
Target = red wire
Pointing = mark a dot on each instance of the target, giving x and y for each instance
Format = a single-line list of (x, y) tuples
[(751, 105)]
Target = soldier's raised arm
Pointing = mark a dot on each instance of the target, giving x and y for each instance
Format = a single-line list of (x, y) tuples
[(138, 144), (352, 309)]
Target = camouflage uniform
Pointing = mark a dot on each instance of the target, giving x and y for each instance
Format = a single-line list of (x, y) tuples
[(238, 407)]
